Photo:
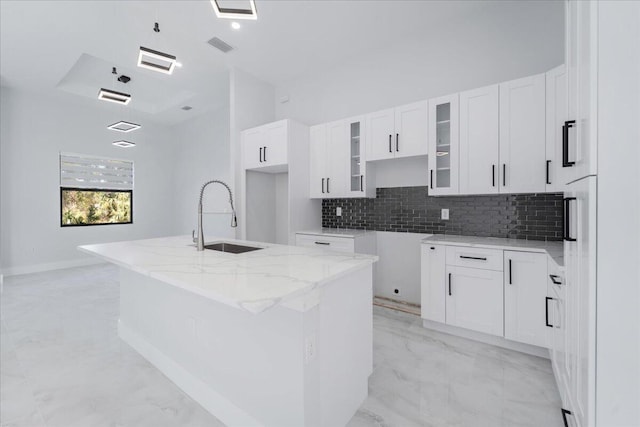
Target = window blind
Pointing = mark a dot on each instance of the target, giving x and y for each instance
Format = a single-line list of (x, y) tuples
[(80, 171)]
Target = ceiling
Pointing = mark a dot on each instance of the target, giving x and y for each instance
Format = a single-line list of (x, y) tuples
[(62, 46)]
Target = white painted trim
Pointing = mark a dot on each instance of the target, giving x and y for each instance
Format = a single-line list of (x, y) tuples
[(38, 268), (486, 338), (213, 402)]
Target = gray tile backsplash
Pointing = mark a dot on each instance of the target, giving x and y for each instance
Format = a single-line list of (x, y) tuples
[(410, 209)]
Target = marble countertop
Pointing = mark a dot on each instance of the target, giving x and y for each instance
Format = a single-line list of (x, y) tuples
[(252, 281), (337, 232), (554, 249)]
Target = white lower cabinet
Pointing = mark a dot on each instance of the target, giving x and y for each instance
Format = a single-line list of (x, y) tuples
[(474, 299), (525, 297), (433, 273), (493, 291)]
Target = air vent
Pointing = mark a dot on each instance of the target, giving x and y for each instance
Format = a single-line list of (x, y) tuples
[(220, 45), (187, 108)]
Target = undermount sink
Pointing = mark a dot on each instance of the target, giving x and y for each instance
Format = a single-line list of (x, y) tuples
[(230, 248)]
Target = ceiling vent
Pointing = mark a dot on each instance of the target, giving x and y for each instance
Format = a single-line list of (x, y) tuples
[(220, 45)]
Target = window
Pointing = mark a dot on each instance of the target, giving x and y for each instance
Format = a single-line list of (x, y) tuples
[(95, 191)]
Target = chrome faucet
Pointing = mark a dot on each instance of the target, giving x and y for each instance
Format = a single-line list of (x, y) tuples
[(199, 241)]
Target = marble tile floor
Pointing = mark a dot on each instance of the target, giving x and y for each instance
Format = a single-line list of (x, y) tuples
[(62, 364)]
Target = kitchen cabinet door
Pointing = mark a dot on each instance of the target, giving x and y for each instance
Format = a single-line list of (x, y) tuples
[(479, 143), (443, 145), (433, 282), (380, 129), (317, 161), (410, 138), (522, 135), (275, 144), (525, 297), (475, 299), (252, 143), (337, 159), (556, 105)]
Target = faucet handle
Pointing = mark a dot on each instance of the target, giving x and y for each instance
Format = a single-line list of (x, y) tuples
[(193, 236)]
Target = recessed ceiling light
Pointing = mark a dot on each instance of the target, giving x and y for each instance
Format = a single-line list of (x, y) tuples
[(234, 12), (235, 25), (156, 61), (123, 126), (113, 96), (124, 144)]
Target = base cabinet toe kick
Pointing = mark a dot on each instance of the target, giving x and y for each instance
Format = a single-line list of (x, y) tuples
[(499, 296)]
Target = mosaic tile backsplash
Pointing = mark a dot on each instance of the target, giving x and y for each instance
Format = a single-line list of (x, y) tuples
[(410, 209)]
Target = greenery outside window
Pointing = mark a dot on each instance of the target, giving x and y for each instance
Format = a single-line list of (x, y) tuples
[(82, 206), (95, 190)]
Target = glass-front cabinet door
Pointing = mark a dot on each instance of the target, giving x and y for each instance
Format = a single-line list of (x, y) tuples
[(358, 173), (443, 145)]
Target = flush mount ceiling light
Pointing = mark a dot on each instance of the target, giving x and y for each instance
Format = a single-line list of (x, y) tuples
[(113, 96), (235, 9), (123, 126), (156, 61), (124, 144)]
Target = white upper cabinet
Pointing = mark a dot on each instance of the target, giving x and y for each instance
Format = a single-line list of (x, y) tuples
[(397, 132), (336, 162), (522, 135), (556, 100), (443, 145), (479, 141), (265, 147), (317, 161), (525, 297)]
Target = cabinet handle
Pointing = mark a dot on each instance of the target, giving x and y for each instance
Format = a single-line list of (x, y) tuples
[(328, 191), (567, 224), (473, 257), (397, 136), (361, 184), (390, 144), (546, 311), (322, 185), (504, 174), (548, 164), (493, 175), (449, 284), (431, 179), (322, 243), (260, 154), (264, 154), (565, 144), (566, 412), (510, 275), (555, 279)]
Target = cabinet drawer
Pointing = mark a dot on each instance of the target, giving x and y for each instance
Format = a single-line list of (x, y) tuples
[(340, 244), (486, 259)]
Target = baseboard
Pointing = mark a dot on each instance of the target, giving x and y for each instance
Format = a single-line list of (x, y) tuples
[(199, 391), (487, 339), (38, 268)]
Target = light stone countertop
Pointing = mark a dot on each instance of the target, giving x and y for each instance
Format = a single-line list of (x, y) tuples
[(336, 232), (554, 249), (252, 281)]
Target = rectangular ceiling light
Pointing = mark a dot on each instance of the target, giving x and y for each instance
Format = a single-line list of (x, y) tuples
[(113, 96), (235, 9), (156, 61), (124, 144), (123, 126)]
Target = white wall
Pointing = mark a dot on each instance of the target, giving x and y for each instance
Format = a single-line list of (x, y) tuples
[(202, 153), (35, 129)]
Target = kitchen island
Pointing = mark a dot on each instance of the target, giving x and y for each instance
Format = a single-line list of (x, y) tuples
[(279, 336)]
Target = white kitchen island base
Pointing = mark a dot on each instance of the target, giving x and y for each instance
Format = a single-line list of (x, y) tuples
[(303, 362)]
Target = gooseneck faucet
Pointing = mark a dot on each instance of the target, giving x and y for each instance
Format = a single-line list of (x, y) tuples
[(234, 222)]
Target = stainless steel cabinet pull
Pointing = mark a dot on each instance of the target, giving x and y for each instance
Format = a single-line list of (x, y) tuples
[(510, 275), (548, 164), (322, 243), (322, 185), (397, 146), (449, 284), (361, 184), (264, 154), (546, 311), (391, 151), (473, 257), (260, 154), (328, 191), (567, 223), (565, 144), (504, 174), (493, 175)]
